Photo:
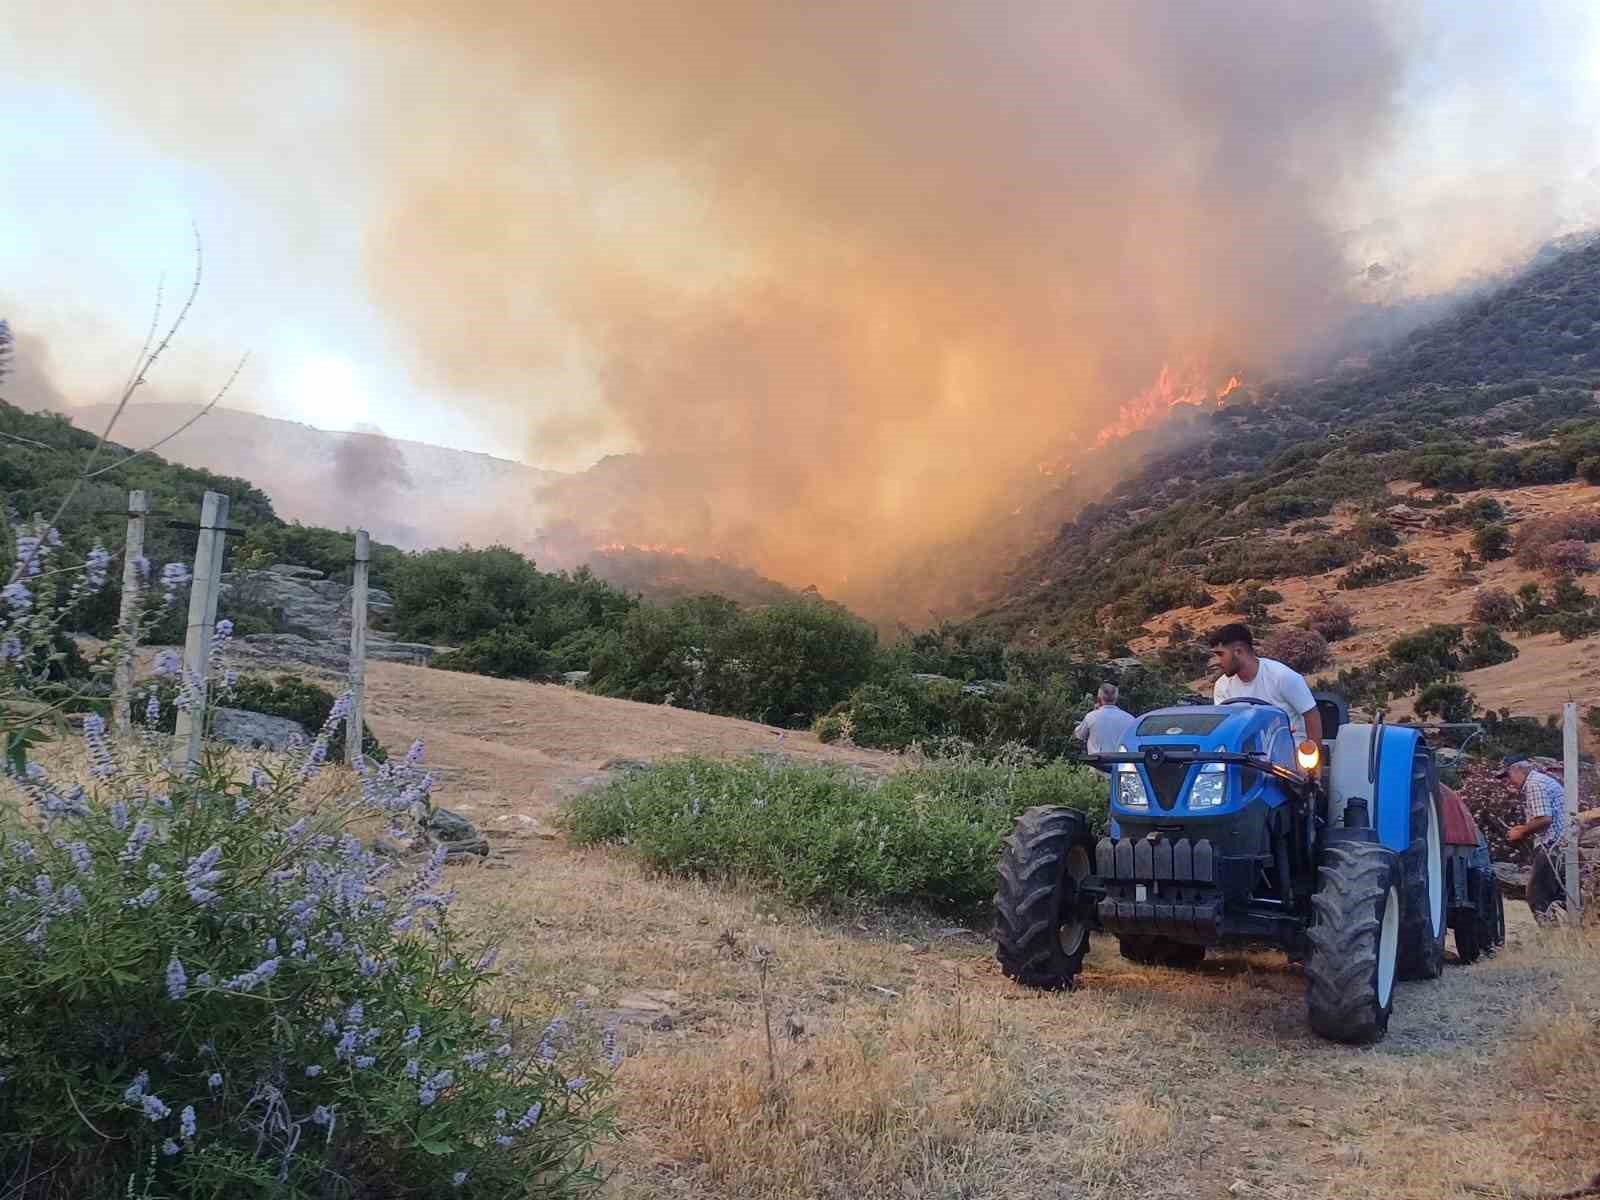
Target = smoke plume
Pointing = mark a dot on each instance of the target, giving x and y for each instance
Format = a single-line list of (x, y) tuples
[(836, 271)]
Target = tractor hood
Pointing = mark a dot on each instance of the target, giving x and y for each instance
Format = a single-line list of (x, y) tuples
[(1155, 788)]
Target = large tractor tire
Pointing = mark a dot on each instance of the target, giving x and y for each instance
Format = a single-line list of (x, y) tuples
[(1355, 938), (1481, 931), (1041, 934), (1423, 916), (1152, 950)]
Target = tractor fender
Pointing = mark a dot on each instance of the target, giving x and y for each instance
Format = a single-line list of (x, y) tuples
[(1389, 796)]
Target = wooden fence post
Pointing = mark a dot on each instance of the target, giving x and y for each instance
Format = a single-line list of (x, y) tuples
[(358, 650), (128, 617), (202, 625), (1569, 757)]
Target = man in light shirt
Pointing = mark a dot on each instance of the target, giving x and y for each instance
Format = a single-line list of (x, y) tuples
[(1106, 727), (1244, 674), (1544, 820)]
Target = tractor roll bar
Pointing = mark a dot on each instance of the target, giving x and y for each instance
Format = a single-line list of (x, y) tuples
[(1156, 755)]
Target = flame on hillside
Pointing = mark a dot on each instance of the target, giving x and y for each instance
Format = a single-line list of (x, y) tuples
[(645, 548), (1170, 389)]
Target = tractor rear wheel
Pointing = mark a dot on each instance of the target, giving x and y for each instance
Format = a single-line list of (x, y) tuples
[(1041, 934), (1478, 932), (1422, 901), (1355, 936), (1153, 950)]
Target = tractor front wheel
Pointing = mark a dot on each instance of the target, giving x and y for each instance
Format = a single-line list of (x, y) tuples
[(1355, 941), (1041, 933)]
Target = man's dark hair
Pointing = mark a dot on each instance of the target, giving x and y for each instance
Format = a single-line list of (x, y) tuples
[(1229, 634)]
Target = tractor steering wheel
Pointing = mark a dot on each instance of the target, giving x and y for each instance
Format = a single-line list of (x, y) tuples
[(1250, 700)]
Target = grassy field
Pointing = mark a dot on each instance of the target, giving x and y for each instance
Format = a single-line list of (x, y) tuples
[(774, 1053)]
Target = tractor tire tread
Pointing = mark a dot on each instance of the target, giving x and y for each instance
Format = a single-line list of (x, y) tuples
[(1342, 965), (1421, 951), (1027, 903)]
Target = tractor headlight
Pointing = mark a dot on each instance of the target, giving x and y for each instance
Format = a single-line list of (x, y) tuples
[(1130, 788), (1210, 786)]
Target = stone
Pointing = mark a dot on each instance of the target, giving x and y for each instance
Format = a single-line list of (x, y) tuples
[(575, 678), (252, 730), (651, 1009), (626, 764), (456, 834)]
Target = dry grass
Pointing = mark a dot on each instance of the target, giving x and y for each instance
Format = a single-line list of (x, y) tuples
[(907, 1066)]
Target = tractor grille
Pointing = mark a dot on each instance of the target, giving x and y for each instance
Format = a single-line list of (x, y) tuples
[(1168, 778)]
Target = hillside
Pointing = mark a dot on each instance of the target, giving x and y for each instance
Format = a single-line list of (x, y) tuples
[(1499, 396), (413, 495)]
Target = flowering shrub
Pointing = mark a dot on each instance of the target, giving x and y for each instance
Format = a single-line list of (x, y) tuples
[(1302, 649), (1566, 557), (1332, 619), (931, 834), (1536, 535), (1494, 607), (212, 990)]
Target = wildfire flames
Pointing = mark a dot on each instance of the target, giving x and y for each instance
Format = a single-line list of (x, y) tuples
[(1170, 389), (1151, 406), (653, 548)]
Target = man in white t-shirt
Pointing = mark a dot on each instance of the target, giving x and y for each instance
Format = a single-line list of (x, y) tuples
[(1106, 727), (1245, 674)]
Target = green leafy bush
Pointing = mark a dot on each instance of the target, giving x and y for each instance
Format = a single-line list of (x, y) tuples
[(1492, 542), (1384, 569), (1252, 603), (1446, 701), (1374, 533), (503, 653), (822, 835), (1486, 648), (289, 696), (784, 664)]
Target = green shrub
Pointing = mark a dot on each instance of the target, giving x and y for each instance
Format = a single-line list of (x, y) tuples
[(1447, 701), (1384, 569), (1252, 602), (1486, 648), (287, 696), (1574, 626), (1166, 592), (784, 664), (503, 653), (931, 835), (1492, 542), (1374, 533)]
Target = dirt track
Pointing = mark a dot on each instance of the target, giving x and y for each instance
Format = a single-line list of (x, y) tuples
[(909, 1067)]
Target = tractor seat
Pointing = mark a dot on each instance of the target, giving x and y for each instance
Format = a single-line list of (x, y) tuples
[(1335, 713)]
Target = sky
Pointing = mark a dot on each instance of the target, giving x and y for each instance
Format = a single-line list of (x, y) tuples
[(835, 268)]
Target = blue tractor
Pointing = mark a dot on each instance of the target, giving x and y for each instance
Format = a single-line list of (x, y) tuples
[(1224, 832)]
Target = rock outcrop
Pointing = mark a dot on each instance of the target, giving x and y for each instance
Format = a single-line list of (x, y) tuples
[(317, 611)]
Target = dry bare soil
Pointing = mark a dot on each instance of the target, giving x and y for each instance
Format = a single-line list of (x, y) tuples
[(1547, 671), (902, 1064)]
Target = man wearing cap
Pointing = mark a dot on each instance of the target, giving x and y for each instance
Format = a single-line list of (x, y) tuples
[(1544, 819)]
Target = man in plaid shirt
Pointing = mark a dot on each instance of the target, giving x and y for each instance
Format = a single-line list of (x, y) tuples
[(1544, 819)]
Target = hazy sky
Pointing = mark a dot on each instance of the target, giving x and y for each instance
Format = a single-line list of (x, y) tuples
[(276, 136)]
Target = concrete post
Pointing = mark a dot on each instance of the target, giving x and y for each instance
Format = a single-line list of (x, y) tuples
[(1569, 763), (202, 625), (358, 649), (128, 617)]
